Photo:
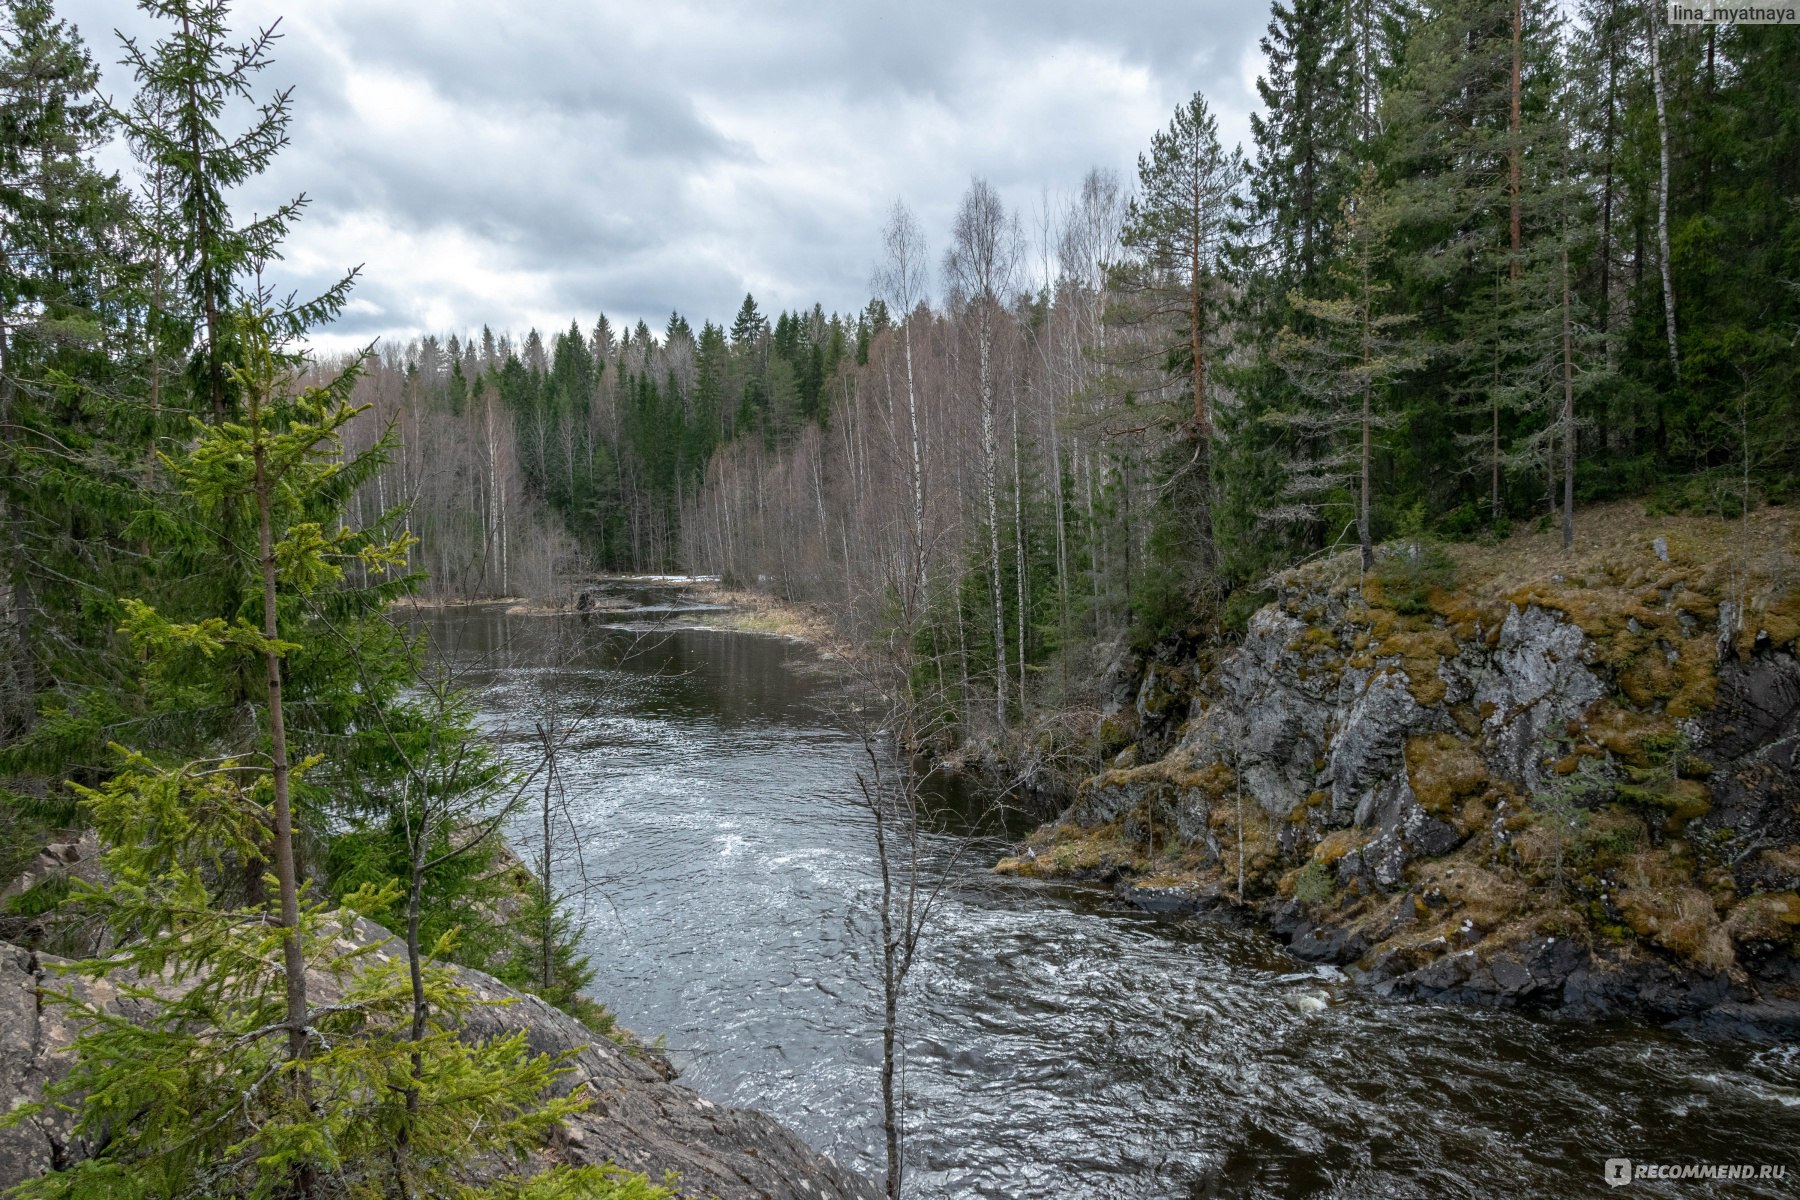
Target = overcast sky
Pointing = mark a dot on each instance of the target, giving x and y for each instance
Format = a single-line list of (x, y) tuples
[(520, 165)]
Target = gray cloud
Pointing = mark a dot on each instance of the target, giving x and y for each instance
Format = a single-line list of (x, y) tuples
[(520, 165)]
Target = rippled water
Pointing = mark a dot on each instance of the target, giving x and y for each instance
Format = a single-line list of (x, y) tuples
[(1058, 1046)]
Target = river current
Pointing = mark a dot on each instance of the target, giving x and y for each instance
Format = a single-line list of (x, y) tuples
[(1057, 1044)]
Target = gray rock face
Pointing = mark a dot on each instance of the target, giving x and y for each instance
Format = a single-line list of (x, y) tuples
[(25, 1150), (1097, 805), (1406, 831), (1266, 718), (1292, 716), (1370, 745), (1753, 740), (1193, 813), (1537, 682), (1315, 715), (638, 1118)]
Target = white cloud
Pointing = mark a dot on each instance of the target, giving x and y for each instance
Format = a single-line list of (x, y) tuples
[(521, 165)]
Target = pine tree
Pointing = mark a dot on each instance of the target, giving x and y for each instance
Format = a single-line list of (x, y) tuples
[(1173, 286), (1179, 225)]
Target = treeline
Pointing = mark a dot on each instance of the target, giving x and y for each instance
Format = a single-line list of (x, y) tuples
[(201, 667), (1489, 260), (607, 433)]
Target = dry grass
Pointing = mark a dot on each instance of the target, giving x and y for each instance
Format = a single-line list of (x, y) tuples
[(1066, 850), (1682, 921), (1770, 917), (1443, 769), (757, 612), (1338, 843), (1614, 549), (1614, 544), (1478, 892)]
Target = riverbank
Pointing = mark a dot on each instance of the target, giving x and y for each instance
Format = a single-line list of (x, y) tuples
[(637, 1116), (714, 606), (1502, 775), (1061, 1043), (749, 611)]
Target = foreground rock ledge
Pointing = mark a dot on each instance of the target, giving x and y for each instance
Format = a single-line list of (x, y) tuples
[(637, 1119)]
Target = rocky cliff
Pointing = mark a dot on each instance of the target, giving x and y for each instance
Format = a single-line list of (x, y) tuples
[(637, 1116), (1506, 775)]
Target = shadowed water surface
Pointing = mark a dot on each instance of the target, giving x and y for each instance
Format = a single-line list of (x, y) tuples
[(1057, 1045)]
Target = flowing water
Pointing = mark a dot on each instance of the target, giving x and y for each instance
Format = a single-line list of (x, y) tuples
[(1058, 1045)]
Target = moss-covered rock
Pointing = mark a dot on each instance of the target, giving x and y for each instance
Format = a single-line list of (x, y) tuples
[(1530, 744)]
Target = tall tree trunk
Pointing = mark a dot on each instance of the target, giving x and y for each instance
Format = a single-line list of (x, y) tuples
[(18, 579), (1606, 191), (415, 972), (990, 485), (1515, 148), (1202, 426), (1368, 332), (1662, 190), (286, 877), (1062, 537), (1019, 552), (890, 1007), (1568, 412), (918, 466), (547, 932), (1127, 537), (1096, 539), (1494, 405)]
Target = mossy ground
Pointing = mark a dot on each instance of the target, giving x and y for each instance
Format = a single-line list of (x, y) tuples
[(1632, 867)]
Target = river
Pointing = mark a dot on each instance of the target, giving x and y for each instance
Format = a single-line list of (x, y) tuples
[(1058, 1045)]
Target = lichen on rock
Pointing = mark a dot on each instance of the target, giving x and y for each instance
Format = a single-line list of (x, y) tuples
[(1580, 734)]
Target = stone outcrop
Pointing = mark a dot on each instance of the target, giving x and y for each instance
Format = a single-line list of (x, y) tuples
[(1580, 793), (638, 1117)]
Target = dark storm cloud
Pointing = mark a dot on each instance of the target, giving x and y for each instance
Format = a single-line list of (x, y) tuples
[(519, 165)]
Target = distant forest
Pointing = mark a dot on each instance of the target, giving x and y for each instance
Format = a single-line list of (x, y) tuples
[(1484, 262)]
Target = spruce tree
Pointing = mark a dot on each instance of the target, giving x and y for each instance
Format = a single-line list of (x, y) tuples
[(748, 326), (188, 81), (1341, 365), (72, 435), (1482, 284), (1307, 142), (230, 1079)]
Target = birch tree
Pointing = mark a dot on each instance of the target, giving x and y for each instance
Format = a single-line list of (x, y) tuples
[(982, 266), (901, 279)]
